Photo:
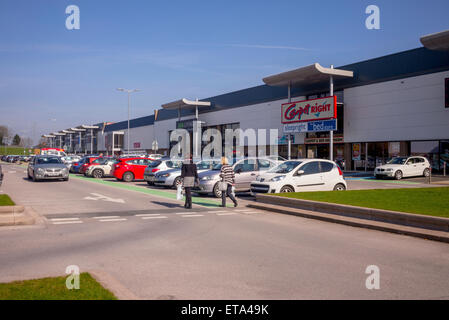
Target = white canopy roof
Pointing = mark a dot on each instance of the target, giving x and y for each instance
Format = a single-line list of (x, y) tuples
[(184, 104), (306, 75), (436, 41)]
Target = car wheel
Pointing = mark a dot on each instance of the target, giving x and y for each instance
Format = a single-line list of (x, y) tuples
[(398, 175), (34, 178), (177, 182), (29, 177), (217, 191), (128, 177), (66, 179), (97, 173), (150, 183), (340, 187), (377, 177), (426, 172), (285, 189)]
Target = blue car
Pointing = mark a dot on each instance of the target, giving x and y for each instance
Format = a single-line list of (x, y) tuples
[(74, 168)]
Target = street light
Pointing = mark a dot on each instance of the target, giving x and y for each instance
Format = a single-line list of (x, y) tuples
[(129, 91)]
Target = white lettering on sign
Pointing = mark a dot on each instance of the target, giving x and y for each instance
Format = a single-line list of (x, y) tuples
[(309, 110)]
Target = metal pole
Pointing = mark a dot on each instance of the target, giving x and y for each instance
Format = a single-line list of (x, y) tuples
[(91, 141), (289, 136), (366, 156), (331, 133), (128, 119)]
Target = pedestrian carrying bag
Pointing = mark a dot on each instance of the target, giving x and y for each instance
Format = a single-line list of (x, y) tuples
[(179, 193), (222, 186), (188, 182)]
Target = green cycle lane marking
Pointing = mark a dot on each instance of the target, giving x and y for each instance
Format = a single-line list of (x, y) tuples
[(160, 193)]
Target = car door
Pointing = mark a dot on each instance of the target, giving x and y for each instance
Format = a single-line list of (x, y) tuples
[(420, 166), (139, 166), (327, 175), (409, 168), (245, 172), (311, 179)]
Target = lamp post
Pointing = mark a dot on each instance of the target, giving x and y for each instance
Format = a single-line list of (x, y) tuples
[(128, 91)]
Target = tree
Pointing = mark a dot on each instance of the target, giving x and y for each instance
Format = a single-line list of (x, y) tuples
[(4, 131), (16, 140)]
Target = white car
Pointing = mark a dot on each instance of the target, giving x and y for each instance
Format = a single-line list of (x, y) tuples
[(300, 175), (101, 167), (400, 167)]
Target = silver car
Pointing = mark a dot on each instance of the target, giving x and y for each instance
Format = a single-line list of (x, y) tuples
[(172, 177), (159, 165), (246, 171), (46, 168)]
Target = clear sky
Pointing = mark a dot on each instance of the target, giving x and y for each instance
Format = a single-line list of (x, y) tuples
[(52, 78)]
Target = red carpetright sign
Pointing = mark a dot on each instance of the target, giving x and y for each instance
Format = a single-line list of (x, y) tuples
[(309, 110)]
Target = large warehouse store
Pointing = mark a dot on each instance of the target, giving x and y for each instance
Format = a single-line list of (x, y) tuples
[(392, 105)]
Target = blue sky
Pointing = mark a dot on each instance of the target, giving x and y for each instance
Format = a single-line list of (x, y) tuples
[(175, 49)]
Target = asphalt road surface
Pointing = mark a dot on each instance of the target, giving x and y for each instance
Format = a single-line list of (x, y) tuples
[(159, 250)]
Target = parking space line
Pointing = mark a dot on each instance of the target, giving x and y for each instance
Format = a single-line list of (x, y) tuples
[(64, 219), (227, 214), (112, 220), (68, 222), (147, 215), (158, 217), (217, 211), (186, 212), (193, 215), (106, 217)]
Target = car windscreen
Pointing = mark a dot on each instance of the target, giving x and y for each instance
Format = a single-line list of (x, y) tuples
[(397, 160), (154, 164), (48, 160), (285, 167), (206, 165), (100, 161)]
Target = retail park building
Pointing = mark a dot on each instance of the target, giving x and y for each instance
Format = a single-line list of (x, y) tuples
[(392, 105)]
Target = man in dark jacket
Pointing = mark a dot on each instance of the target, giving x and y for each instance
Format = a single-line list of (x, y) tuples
[(189, 175)]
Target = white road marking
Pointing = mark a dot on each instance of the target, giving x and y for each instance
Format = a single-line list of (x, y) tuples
[(193, 215), (97, 196), (63, 219), (147, 215), (106, 217), (186, 212), (68, 222), (112, 220), (158, 217), (227, 214), (11, 171), (217, 211), (242, 210)]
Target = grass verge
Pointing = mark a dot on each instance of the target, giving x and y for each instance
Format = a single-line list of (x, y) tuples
[(54, 289), (426, 201), (5, 200)]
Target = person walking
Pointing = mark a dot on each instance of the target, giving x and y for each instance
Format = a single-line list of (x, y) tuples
[(227, 179), (189, 175)]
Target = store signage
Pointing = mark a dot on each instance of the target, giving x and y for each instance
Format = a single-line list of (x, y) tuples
[(184, 124), (356, 151), (325, 140), (309, 110), (312, 126), (136, 145)]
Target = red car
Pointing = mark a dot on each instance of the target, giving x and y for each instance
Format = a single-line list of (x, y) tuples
[(130, 169), (86, 164)]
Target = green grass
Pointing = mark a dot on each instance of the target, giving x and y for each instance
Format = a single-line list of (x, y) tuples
[(426, 201), (54, 289), (15, 151), (5, 200)]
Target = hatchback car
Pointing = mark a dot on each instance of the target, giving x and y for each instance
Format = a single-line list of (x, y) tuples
[(400, 167), (130, 169), (46, 168), (100, 168), (172, 177), (300, 175), (89, 160), (158, 166), (246, 170)]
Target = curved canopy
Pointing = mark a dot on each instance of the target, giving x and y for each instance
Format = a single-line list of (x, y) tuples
[(185, 104), (306, 75), (436, 41)]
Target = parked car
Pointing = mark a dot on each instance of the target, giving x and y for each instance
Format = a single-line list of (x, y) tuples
[(155, 156), (172, 177), (158, 166), (100, 168), (245, 171), (1, 175), (130, 169), (86, 164), (70, 159), (400, 167), (300, 175), (75, 166), (47, 167)]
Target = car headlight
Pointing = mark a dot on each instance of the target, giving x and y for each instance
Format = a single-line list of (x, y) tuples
[(205, 178), (64, 170), (165, 175), (277, 178), (40, 170)]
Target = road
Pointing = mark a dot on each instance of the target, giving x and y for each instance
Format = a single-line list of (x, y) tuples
[(149, 244)]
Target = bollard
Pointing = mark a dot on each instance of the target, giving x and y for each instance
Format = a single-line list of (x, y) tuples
[(430, 174), (444, 168)]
